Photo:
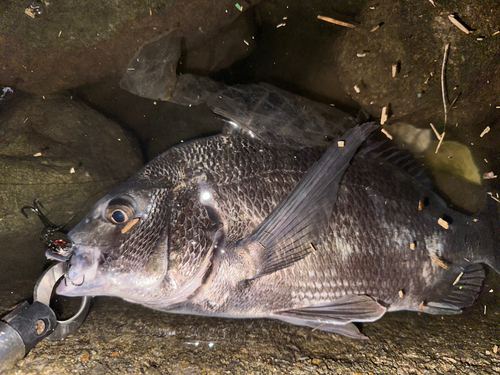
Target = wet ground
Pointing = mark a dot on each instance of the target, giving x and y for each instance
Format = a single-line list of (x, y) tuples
[(118, 337)]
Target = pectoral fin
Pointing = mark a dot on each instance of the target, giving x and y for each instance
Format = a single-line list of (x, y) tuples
[(336, 316), (294, 227)]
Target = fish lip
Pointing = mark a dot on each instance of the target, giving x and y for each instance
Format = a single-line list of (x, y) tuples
[(79, 271)]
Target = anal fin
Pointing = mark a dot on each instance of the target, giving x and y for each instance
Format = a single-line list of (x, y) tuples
[(458, 293), (347, 329), (336, 316)]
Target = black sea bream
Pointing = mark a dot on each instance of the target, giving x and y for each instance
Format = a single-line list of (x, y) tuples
[(231, 226)]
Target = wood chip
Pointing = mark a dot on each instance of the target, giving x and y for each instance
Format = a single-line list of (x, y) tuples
[(376, 27), (37, 154), (458, 278), (484, 309), (443, 223), (29, 12), (453, 19), (394, 70), (357, 89), (387, 134), (129, 225), (421, 306), (495, 33), (485, 131), (401, 294), (59, 35), (495, 349), (412, 246), (384, 116), (421, 205), (280, 25), (341, 144), (489, 176), (312, 247), (336, 22), (439, 262)]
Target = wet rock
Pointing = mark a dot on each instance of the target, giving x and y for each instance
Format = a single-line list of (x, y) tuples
[(294, 50), (394, 58), (453, 168), (63, 153), (68, 44), (410, 37), (158, 125), (151, 71), (231, 44)]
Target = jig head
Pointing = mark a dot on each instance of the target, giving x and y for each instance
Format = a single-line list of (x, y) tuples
[(59, 249)]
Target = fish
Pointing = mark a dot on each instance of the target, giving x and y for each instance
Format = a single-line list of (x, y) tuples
[(231, 226)]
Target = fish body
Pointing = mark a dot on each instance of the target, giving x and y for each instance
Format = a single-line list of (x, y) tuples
[(231, 226)]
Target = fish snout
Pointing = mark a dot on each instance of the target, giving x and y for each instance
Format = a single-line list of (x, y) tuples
[(80, 270)]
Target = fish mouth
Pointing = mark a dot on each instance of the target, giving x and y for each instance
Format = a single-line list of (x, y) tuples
[(80, 272)]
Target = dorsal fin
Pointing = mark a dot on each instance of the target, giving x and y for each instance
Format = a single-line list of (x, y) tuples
[(385, 151)]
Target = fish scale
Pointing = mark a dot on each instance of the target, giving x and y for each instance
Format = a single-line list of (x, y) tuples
[(252, 229)]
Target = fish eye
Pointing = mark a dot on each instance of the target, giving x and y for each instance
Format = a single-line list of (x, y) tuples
[(119, 211)]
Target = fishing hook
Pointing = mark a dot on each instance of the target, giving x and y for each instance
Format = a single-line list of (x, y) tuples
[(67, 266)]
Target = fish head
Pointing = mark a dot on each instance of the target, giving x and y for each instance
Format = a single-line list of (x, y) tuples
[(120, 248)]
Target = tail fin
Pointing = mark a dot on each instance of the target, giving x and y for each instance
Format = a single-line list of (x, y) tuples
[(490, 218)]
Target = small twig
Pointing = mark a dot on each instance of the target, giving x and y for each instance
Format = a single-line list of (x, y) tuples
[(443, 84), (440, 142), (439, 262), (314, 329), (438, 136), (454, 101), (387, 134), (458, 278), (336, 22), (384, 116), (453, 19)]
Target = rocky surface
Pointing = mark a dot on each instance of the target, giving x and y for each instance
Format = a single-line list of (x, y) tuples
[(412, 37), (90, 43), (65, 154), (120, 338), (68, 44)]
